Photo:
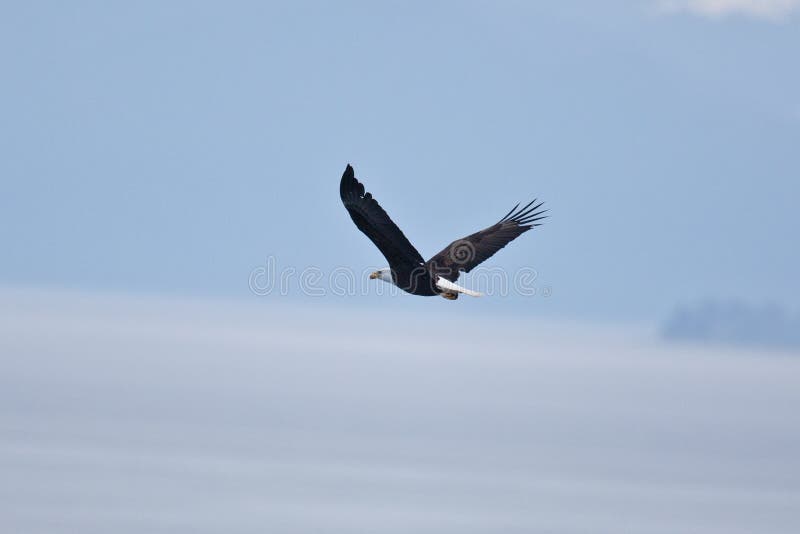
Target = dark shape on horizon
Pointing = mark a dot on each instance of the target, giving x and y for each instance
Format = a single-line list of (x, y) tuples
[(736, 323), (407, 268)]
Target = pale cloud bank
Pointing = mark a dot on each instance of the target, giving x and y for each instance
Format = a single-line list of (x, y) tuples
[(764, 9), (131, 415)]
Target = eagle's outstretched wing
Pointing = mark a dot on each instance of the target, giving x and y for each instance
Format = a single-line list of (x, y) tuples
[(376, 224), (466, 253)]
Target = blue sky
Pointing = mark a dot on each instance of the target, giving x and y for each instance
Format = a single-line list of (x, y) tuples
[(172, 147)]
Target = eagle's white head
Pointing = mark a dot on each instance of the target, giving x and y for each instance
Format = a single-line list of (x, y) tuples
[(384, 274)]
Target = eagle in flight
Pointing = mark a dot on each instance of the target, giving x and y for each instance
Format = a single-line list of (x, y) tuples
[(407, 269)]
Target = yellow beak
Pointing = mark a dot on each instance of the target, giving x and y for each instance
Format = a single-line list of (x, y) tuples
[(374, 275)]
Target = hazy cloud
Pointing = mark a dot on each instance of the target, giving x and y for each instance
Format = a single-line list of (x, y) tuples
[(131, 415), (765, 9)]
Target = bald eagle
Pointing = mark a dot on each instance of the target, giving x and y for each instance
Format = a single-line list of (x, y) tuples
[(437, 276)]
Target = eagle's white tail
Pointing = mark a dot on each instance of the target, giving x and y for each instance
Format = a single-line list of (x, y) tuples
[(447, 285)]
